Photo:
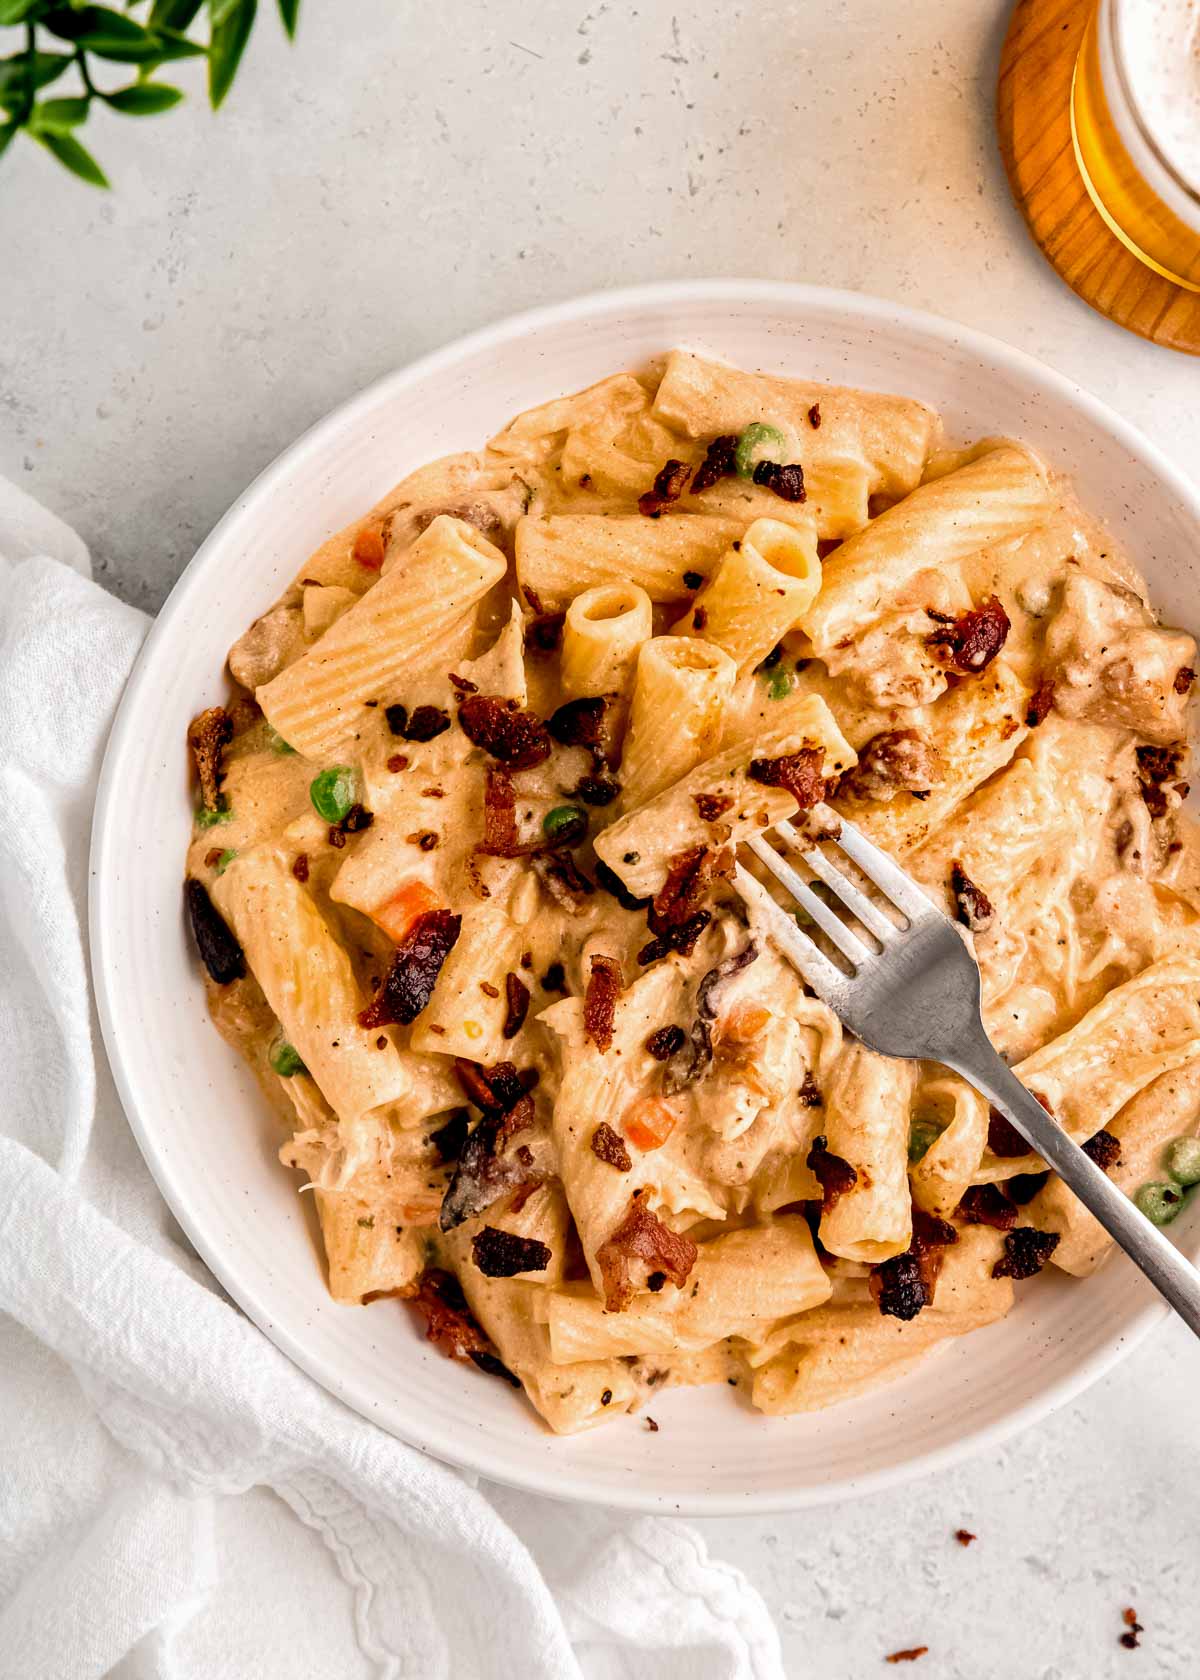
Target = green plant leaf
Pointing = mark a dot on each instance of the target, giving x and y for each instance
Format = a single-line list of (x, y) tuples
[(60, 114), (91, 24), (289, 11), (226, 46), (16, 11), (173, 14), (220, 10), (14, 74), (7, 131), (172, 45), (73, 156), (144, 99)]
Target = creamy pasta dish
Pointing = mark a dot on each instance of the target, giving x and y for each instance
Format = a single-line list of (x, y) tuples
[(460, 882)]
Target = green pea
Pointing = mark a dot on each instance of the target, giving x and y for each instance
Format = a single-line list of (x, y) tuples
[(285, 1059), (1182, 1160), (225, 859), (333, 792), (223, 813), (1159, 1202), (779, 683), (566, 824), (276, 742), (922, 1135), (758, 443)]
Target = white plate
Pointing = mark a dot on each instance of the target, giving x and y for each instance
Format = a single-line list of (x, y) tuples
[(195, 1111)]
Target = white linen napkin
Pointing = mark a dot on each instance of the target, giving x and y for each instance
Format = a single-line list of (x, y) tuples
[(142, 1416)]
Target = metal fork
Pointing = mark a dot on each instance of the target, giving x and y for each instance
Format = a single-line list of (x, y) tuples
[(918, 997)]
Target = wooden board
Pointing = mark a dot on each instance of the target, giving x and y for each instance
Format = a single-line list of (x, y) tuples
[(1033, 114)]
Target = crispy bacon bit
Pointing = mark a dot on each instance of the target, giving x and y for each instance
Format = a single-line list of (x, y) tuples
[(810, 1093), (832, 1173), (786, 482), (463, 685), (356, 819), (900, 1287), (909, 1655), (502, 1254), (1155, 767), (681, 938), (493, 1089), (972, 906), (720, 461), (689, 874), (700, 620), (1026, 1251), (369, 549), (600, 1001), (554, 979), (1004, 1140), (663, 1044), (518, 739), (964, 1536), (207, 736), (1040, 705), (814, 416), (337, 839), (798, 773), (1184, 678), (669, 485), (544, 633), (448, 1322), (516, 1003), (585, 723), (987, 1204), (408, 984), (219, 950), (1129, 1639), (895, 761), (609, 1146), (693, 580), (642, 1236), (1023, 1187), (597, 790), (612, 883), (425, 724), (449, 1139), (562, 879), (972, 641), (712, 805), (499, 815), (300, 866), (1104, 1149), (397, 762)]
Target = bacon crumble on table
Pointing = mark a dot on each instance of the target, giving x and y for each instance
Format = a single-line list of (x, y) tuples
[(219, 950), (610, 1147), (835, 1176), (798, 773), (910, 1654), (207, 736), (972, 906), (964, 1536), (972, 641), (669, 484), (1026, 1251), (412, 973), (499, 727), (1132, 1629), (600, 1000), (502, 1254), (641, 1235)]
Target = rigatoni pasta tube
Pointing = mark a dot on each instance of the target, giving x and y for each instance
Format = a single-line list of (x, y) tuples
[(638, 847), (561, 556), (942, 1174), (365, 1251), (1002, 494), (867, 1106), (602, 633), (391, 633), (762, 587), (306, 976), (681, 690)]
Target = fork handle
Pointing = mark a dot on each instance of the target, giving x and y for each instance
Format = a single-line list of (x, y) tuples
[(1170, 1273)]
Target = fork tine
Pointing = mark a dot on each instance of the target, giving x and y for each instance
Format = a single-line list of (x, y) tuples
[(824, 977), (830, 924), (859, 905), (878, 867)]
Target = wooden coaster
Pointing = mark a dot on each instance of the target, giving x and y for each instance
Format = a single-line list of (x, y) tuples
[(1033, 114)]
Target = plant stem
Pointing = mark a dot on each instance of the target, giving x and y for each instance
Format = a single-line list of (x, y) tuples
[(31, 71), (81, 60)]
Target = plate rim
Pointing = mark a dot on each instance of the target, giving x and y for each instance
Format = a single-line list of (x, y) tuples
[(461, 1451)]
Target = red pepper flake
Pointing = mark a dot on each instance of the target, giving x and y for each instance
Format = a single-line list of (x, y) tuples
[(518, 739), (609, 1146), (1026, 1251), (987, 1204), (798, 773), (604, 986), (909, 1655), (412, 975), (397, 762), (1040, 705), (369, 549), (669, 484), (972, 641), (1132, 1628), (651, 1426), (642, 1236), (501, 1254), (835, 1176), (488, 990), (516, 998), (300, 866), (964, 1536), (972, 906), (814, 416)]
